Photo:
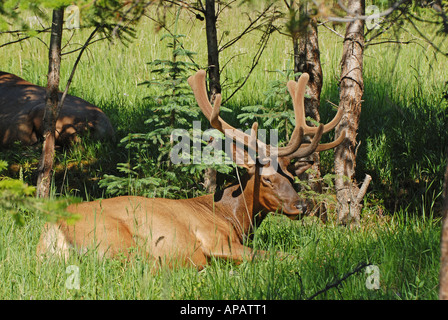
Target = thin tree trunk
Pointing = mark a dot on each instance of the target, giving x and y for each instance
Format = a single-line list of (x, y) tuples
[(214, 75), (443, 277), (51, 105), (351, 91), (212, 48), (307, 59), (310, 63)]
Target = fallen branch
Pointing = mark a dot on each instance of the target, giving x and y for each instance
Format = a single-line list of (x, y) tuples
[(362, 191), (336, 283)]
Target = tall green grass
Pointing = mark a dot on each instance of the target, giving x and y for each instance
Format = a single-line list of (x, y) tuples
[(405, 250)]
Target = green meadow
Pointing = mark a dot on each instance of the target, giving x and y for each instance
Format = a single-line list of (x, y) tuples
[(402, 138)]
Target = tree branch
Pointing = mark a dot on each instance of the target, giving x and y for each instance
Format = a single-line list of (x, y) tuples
[(425, 38), (363, 189), (263, 44), (337, 282), (332, 30), (364, 17), (69, 81), (248, 29), (390, 41), (81, 48), (24, 38)]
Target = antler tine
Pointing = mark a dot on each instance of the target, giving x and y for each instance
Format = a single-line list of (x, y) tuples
[(331, 145), (214, 119), (309, 148), (197, 83), (299, 115), (253, 136), (324, 146), (297, 92), (294, 142)]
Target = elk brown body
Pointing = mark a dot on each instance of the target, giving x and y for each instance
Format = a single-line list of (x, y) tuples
[(191, 231), (22, 106)]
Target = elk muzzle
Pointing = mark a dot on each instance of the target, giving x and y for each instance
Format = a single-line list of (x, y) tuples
[(294, 210)]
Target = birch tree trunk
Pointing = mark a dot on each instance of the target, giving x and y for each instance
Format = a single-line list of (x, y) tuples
[(351, 91), (51, 105), (443, 277)]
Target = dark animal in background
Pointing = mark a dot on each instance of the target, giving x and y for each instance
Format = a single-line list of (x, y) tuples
[(22, 106)]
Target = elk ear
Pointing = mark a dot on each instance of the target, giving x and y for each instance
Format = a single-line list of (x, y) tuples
[(300, 167), (284, 164)]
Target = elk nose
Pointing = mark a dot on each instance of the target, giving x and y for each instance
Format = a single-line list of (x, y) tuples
[(301, 207)]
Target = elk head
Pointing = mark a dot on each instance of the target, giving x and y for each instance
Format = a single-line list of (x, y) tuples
[(271, 186)]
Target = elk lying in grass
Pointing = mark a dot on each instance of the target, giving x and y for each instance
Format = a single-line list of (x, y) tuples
[(22, 106), (190, 231)]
